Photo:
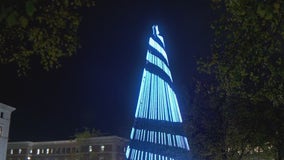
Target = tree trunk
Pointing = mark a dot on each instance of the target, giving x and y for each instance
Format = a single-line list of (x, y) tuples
[(278, 157), (281, 152)]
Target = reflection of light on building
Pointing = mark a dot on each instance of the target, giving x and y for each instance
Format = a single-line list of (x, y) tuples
[(102, 148), (158, 132)]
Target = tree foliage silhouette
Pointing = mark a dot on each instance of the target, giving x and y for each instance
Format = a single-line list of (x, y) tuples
[(39, 29)]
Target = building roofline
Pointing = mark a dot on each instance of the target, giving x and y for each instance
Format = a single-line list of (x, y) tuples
[(67, 141), (6, 107)]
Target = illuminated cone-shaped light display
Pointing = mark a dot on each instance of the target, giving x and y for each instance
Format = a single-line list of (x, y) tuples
[(157, 133)]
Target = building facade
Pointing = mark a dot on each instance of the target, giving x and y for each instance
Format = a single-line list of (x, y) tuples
[(95, 148), (5, 116)]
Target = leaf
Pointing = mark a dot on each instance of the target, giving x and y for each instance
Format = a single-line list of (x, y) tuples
[(260, 10), (268, 15), (24, 22), (3, 13), (12, 18), (66, 3), (276, 7), (30, 8)]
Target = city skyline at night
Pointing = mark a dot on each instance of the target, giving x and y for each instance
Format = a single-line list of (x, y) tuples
[(212, 90)]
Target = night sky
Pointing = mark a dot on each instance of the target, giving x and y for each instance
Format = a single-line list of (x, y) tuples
[(98, 87)]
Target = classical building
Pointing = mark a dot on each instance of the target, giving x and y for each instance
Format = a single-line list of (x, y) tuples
[(5, 114), (95, 148), (157, 133)]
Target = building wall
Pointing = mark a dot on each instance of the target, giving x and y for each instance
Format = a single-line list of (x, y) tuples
[(96, 148), (5, 114)]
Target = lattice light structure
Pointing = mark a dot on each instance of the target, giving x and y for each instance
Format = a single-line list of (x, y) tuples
[(157, 133)]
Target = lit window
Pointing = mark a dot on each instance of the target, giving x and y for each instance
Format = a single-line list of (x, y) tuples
[(90, 148), (47, 151), (12, 151), (38, 151), (29, 158), (42, 151), (31, 151), (20, 151), (102, 148)]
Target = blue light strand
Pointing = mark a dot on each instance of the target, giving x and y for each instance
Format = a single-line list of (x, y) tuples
[(135, 154), (147, 95), (141, 93), (132, 133), (169, 139), (138, 155), (151, 99), (127, 152)]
